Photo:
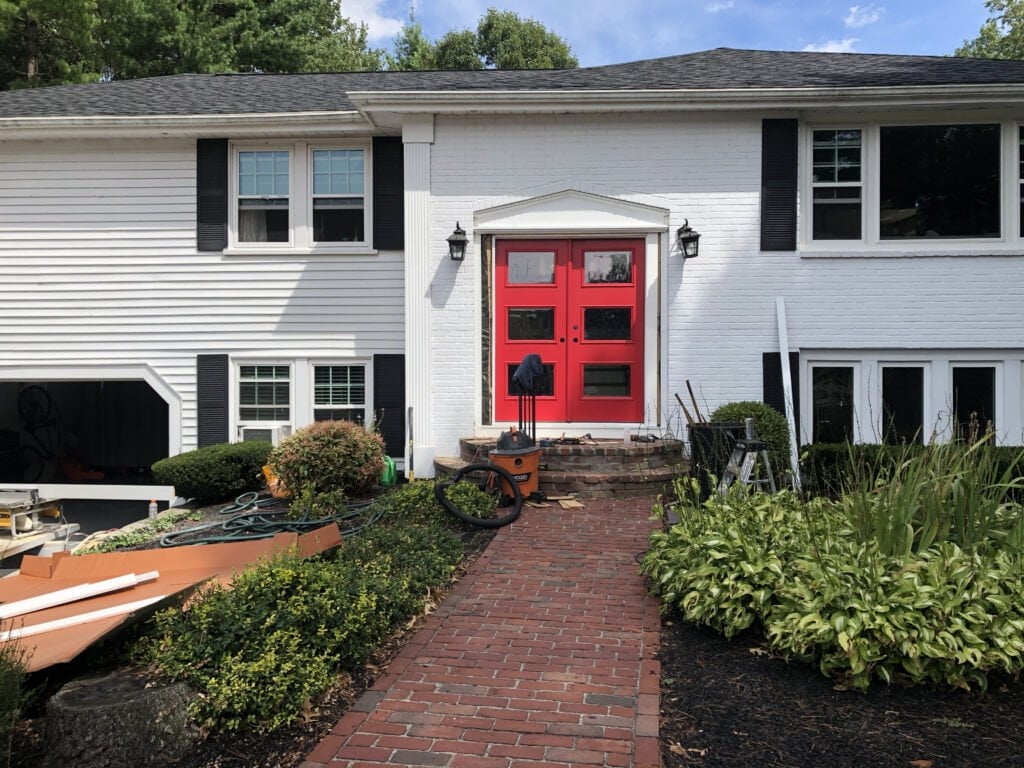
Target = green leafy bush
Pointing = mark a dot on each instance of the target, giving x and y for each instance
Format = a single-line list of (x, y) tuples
[(920, 578), (12, 675), (215, 471), (330, 456), (416, 503), (831, 467), (770, 426), (280, 634)]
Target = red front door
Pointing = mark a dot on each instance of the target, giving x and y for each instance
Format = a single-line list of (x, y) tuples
[(579, 305)]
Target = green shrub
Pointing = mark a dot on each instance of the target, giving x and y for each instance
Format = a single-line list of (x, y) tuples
[(825, 586), (770, 426), (214, 471), (416, 503), (830, 467), (12, 675), (284, 629), (330, 456)]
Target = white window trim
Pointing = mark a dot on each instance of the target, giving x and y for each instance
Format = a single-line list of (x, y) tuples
[(365, 364), (938, 393), (300, 201), (871, 244), (237, 424)]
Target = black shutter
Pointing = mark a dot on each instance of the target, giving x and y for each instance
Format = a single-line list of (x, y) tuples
[(774, 394), (388, 193), (389, 401), (211, 194), (778, 185), (212, 399)]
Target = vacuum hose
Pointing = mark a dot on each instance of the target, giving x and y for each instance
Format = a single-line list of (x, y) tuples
[(486, 477)]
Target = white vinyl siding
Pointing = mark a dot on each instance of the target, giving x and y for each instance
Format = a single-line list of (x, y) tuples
[(99, 268)]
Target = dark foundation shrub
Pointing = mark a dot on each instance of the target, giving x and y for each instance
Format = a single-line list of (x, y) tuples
[(329, 456), (12, 675), (770, 426), (283, 631), (215, 471)]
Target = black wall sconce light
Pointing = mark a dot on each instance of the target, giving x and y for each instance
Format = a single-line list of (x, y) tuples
[(457, 241), (688, 240)]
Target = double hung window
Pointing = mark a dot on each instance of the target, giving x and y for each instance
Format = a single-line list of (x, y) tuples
[(300, 197), (339, 393)]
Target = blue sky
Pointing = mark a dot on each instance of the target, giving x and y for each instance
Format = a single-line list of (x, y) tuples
[(609, 31)]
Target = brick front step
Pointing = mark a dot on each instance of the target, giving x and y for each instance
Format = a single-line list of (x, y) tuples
[(607, 469)]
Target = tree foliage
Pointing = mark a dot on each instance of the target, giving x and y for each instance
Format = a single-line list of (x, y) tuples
[(502, 40), (1001, 36), (43, 42)]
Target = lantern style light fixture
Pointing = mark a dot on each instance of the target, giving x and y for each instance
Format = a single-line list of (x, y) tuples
[(688, 240), (457, 243)]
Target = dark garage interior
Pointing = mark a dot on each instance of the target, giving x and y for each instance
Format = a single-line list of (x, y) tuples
[(80, 431)]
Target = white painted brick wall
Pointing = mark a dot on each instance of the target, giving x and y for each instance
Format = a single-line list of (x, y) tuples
[(721, 314)]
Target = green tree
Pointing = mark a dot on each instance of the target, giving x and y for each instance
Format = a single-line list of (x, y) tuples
[(46, 42), (502, 40), (506, 41), (1001, 36), (412, 49)]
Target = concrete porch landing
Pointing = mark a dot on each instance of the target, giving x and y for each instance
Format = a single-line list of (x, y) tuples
[(542, 655), (600, 469)]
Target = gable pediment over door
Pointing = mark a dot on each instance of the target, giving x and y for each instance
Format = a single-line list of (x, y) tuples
[(571, 211)]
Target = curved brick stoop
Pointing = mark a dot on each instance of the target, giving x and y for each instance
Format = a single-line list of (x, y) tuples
[(544, 654), (602, 470)]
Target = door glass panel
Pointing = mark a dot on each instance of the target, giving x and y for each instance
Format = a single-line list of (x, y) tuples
[(606, 380), (607, 323), (903, 404), (832, 397), (531, 267), (608, 267), (974, 400), (531, 324), (546, 387)]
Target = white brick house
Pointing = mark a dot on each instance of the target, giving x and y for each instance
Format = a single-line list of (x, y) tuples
[(254, 252)]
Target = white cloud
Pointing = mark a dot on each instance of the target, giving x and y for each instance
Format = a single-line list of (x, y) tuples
[(833, 46), (722, 5), (379, 26), (862, 15)]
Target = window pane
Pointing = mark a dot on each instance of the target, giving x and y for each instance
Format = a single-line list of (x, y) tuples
[(837, 210), (531, 267), (903, 404), (974, 400), (545, 387), (531, 324), (837, 213), (339, 385), (337, 171), (832, 404), (264, 392), (608, 267), (607, 323), (940, 181), (338, 220), (606, 380), (262, 223), (837, 156), (339, 414), (263, 173)]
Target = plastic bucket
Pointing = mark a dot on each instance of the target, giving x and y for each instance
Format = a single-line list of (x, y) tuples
[(523, 464)]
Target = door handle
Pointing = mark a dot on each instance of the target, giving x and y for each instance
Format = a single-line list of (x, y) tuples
[(575, 340), (562, 340)]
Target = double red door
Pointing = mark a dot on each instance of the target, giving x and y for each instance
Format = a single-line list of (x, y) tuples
[(579, 305)]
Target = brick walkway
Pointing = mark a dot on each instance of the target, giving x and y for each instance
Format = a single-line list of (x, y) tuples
[(543, 655)]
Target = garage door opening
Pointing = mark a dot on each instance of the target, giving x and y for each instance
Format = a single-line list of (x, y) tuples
[(81, 431)]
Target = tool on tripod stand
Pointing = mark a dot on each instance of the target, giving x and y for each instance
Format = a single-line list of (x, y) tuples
[(744, 466)]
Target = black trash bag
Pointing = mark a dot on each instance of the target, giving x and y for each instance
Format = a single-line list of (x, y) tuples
[(529, 374), (517, 440)]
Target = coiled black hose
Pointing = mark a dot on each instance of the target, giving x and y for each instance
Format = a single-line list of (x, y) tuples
[(486, 479), (261, 518)]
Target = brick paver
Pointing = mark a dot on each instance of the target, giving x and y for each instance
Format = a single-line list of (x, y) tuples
[(542, 655)]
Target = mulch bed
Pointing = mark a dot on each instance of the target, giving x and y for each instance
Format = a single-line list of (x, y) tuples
[(727, 703), (287, 747)]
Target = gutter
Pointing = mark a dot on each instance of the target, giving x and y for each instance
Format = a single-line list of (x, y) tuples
[(242, 125)]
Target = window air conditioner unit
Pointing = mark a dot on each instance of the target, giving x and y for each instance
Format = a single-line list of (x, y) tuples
[(272, 435)]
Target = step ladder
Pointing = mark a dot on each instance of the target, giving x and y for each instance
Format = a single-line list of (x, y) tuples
[(743, 466)]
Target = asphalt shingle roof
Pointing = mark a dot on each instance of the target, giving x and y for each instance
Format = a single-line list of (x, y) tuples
[(721, 68)]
